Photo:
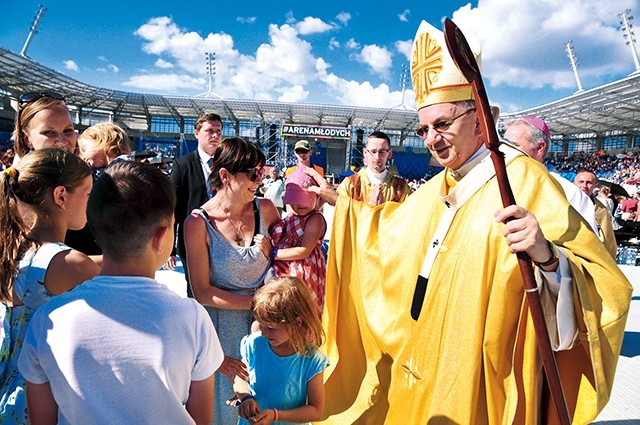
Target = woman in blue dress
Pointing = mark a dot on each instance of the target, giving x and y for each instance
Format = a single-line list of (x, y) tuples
[(229, 253)]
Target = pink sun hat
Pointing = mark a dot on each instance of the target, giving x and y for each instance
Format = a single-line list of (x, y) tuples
[(296, 189), (537, 123)]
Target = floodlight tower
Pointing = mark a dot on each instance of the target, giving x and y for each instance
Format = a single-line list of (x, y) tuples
[(403, 85), (629, 35), (571, 54), (211, 68), (33, 29), (210, 57)]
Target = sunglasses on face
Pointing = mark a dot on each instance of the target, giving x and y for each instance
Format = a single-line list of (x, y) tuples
[(37, 95), (254, 174), (302, 151)]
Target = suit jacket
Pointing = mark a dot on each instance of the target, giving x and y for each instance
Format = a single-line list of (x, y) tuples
[(191, 192)]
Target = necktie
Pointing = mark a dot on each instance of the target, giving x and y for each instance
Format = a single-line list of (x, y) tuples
[(210, 192), (377, 197)]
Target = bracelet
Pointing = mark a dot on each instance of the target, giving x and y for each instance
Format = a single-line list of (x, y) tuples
[(247, 397), (276, 417), (273, 254)]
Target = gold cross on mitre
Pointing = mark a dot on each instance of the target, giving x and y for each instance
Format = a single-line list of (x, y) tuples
[(435, 77)]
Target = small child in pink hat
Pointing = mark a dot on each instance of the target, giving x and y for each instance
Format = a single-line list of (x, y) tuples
[(297, 239)]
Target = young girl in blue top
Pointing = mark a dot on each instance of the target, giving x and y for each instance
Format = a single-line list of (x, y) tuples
[(285, 367)]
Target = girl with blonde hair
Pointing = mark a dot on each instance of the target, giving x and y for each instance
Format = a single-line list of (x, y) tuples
[(285, 367)]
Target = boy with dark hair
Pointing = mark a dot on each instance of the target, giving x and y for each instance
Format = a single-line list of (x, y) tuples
[(123, 348)]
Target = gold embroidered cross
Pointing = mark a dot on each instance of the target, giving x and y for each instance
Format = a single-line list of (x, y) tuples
[(411, 369), (426, 64)]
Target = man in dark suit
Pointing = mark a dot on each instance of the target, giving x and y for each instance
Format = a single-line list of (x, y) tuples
[(189, 175)]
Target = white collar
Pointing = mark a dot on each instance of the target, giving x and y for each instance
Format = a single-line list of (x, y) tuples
[(471, 162), (204, 157), (376, 178)]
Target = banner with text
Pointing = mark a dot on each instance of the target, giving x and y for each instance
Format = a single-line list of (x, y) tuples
[(316, 131)]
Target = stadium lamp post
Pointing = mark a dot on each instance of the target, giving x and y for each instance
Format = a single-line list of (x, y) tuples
[(34, 29), (629, 35), (210, 57), (573, 61), (403, 86), (211, 68)]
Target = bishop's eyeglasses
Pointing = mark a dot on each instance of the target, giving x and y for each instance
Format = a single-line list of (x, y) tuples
[(441, 126)]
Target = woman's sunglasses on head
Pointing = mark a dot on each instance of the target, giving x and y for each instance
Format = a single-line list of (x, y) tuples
[(37, 95)]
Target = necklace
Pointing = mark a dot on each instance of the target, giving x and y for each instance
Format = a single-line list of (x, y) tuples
[(239, 238)]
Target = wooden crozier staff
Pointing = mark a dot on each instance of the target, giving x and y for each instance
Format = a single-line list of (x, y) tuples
[(463, 57)]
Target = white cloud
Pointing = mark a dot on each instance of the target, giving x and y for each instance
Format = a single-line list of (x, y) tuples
[(356, 93), (70, 65), (296, 93), (290, 19), (102, 58), (377, 58), (248, 20), (161, 63), (523, 41), (277, 65), (188, 49), (286, 56), (311, 25), (404, 47), (404, 16), (352, 44), (334, 44), (165, 82), (113, 68), (344, 17)]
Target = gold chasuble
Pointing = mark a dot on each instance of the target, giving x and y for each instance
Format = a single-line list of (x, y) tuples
[(471, 357)]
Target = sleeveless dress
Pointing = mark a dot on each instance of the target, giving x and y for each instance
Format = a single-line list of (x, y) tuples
[(288, 233), (29, 288), (239, 270)]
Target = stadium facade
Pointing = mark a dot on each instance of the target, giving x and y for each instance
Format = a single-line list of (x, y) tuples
[(606, 117)]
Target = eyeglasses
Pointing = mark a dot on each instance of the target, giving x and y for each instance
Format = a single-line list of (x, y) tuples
[(441, 126), (378, 151), (254, 174), (302, 151), (37, 95)]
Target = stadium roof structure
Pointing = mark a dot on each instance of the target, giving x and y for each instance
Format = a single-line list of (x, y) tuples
[(19, 74), (610, 109)]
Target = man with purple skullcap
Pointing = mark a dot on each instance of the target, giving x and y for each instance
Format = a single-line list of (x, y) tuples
[(532, 136), (538, 123)]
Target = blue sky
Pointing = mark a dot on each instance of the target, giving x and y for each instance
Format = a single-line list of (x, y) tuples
[(330, 52)]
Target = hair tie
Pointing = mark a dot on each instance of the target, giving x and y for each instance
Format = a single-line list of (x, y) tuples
[(12, 172)]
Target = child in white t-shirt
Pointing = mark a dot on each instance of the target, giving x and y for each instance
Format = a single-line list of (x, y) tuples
[(122, 348)]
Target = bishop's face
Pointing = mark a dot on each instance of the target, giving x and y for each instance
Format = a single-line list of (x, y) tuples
[(450, 132)]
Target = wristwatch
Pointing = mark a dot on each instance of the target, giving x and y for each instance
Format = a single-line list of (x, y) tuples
[(555, 256)]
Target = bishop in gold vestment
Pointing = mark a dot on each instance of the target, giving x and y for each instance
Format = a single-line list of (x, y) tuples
[(471, 355)]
